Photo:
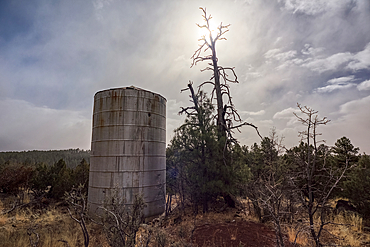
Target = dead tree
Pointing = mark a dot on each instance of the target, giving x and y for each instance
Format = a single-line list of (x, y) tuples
[(269, 190), (220, 80), (121, 222), (226, 114), (77, 201), (272, 197), (315, 179)]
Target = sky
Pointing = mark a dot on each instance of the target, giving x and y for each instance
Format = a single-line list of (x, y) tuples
[(55, 55)]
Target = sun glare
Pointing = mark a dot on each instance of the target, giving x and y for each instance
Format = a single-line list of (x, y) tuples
[(203, 32)]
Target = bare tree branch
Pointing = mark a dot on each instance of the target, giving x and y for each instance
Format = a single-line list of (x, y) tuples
[(319, 179)]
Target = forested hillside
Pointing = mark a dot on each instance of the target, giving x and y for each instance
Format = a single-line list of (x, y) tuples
[(72, 157)]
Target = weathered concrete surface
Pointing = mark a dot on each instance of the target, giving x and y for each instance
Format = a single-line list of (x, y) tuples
[(128, 148)]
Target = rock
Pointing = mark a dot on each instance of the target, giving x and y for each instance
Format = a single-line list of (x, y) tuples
[(177, 220), (343, 205)]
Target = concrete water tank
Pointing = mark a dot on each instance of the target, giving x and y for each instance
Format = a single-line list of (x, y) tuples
[(128, 148)]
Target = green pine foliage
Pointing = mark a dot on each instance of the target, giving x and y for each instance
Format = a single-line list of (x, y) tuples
[(200, 165), (44, 180), (343, 151), (356, 186), (41, 179), (81, 175), (14, 178), (61, 179), (55, 180), (45, 173)]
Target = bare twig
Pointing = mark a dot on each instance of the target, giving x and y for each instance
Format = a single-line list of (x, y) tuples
[(34, 241), (78, 202), (65, 242)]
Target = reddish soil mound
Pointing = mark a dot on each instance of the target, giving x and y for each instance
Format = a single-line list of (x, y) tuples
[(237, 233)]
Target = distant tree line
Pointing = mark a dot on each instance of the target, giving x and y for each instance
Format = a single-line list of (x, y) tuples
[(72, 157)]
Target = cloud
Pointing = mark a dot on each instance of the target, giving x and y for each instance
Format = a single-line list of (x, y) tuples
[(309, 50), (57, 56), (173, 119), (337, 84), (258, 113), (331, 88), (330, 63), (311, 7), (99, 4), (181, 58), (271, 53), (280, 56), (361, 60), (365, 85), (267, 122), (35, 127), (285, 114), (341, 80), (314, 59), (251, 73), (282, 59), (357, 61), (352, 107), (353, 123)]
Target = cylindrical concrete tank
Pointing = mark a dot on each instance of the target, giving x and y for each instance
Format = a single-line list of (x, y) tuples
[(128, 148)]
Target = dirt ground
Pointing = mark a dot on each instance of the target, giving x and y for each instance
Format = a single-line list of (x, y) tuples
[(237, 233), (228, 228)]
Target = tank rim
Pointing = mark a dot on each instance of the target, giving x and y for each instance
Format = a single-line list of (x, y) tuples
[(128, 87)]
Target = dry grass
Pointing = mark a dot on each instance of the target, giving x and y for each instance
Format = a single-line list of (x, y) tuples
[(51, 225), (348, 227), (300, 237), (3, 218), (54, 224), (345, 229)]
